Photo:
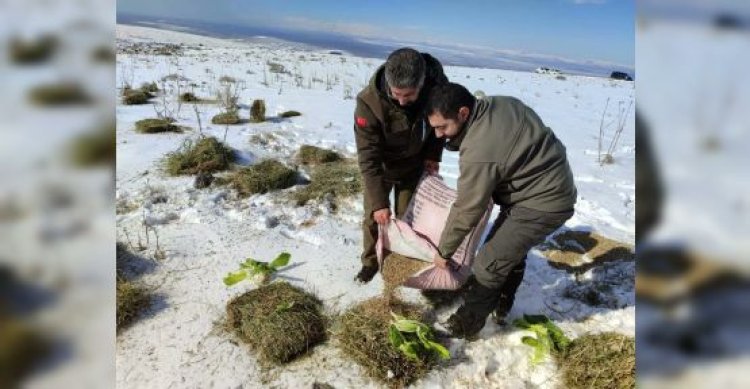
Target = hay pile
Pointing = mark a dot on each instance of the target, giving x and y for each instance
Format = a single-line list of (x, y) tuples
[(397, 269), (331, 180), (313, 155), (205, 155), (63, 94), (278, 321), (266, 176), (155, 125), (604, 360), (226, 118), (579, 250), (362, 334)]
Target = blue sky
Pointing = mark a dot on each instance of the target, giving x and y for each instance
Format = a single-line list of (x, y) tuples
[(601, 30)]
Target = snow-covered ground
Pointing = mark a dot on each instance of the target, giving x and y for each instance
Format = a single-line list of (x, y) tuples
[(206, 233)]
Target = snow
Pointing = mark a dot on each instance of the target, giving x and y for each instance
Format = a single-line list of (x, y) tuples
[(205, 233)]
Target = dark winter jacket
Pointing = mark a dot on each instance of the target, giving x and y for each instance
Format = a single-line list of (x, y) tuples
[(506, 154), (393, 141)]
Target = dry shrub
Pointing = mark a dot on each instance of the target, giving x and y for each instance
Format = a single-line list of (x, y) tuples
[(263, 177), (189, 97), (226, 118), (313, 155), (605, 360), (62, 94), (397, 269), (333, 180), (155, 125), (278, 321), (149, 87), (33, 52), (258, 111), (205, 155), (132, 299), (362, 334), (580, 250)]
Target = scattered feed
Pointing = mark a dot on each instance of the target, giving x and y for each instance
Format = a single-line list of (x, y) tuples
[(278, 321), (63, 94), (155, 125), (313, 155), (333, 180), (397, 269), (580, 250), (362, 334), (263, 177), (205, 155), (605, 360), (226, 118)]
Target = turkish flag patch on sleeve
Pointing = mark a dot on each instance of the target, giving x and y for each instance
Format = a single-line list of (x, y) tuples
[(361, 122)]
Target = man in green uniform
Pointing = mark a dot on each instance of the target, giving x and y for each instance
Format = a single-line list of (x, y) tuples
[(509, 156), (395, 145)]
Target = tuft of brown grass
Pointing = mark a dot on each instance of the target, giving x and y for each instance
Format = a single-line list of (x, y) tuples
[(31, 52), (334, 180), (605, 360), (205, 155), (278, 321), (258, 111), (226, 118), (362, 334), (21, 347), (132, 299), (95, 148), (266, 176), (289, 114), (580, 250), (135, 97), (63, 94), (313, 155), (155, 125)]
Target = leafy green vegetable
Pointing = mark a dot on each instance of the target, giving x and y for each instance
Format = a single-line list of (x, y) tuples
[(252, 268), (415, 339), (549, 337)]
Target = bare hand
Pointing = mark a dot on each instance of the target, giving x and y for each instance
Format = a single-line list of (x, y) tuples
[(431, 167), (382, 216)]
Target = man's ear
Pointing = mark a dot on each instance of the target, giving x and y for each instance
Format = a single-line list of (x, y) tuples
[(463, 113)]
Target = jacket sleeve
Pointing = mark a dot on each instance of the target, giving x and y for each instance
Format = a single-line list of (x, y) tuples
[(475, 186), (368, 135)]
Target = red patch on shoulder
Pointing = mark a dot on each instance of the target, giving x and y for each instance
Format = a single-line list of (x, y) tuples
[(361, 122)]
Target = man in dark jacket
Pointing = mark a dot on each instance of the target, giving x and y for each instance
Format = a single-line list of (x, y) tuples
[(509, 156), (394, 142)]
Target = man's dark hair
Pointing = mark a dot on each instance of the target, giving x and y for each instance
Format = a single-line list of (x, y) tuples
[(405, 68), (447, 99)]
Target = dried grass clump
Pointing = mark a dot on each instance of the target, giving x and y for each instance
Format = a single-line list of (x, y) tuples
[(95, 148), (226, 118), (278, 321), (289, 114), (63, 94), (581, 250), (205, 155), (313, 155), (189, 97), (397, 269), (263, 177), (21, 347), (605, 360), (362, 334), (149, 87), (104, 54), (132, 299), (33, 52), (258, 111), (155, 125), (333, 180), (135, 97)]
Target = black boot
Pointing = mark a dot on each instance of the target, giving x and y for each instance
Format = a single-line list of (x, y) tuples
[(366, 273), (469, 319)]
